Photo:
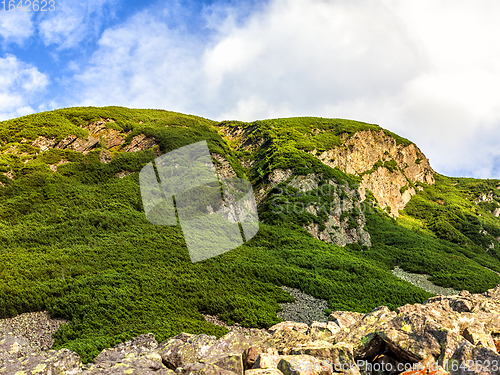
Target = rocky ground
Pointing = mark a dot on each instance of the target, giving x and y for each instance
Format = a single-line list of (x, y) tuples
[(457, 334), (420, 280), (36, 327), (236, 328), (305, 309)]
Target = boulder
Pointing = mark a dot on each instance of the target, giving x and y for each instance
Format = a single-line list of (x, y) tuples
[(445, 334), (138, 355)]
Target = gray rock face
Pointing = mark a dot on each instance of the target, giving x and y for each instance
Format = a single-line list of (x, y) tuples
[(446, 334), (18, 357), (339, 206), (496, 213), (345, 219), (359, 154)]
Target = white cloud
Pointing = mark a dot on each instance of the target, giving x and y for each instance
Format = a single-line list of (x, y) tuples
[(308, 54), (143, 63), (428, 71), (15, 26), (74, 21), (19, 83)]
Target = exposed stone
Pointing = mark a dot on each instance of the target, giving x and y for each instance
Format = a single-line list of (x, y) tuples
[(265, 361), (364, 149), (122, 174), (110, 138), (222, 167), (323, 330), (238, 138), (421, 281), (35, 327), (485, 198), (359, 153), (301, 365), (496, 213), (305, 183), (9, 174), (275, 177), (249, 357), (82, 145), (98, 134), (43, 143), (53, 167), (279, 175), (386, 186), (66, 141), (138, 356), (345, 319), (338, 228), (18, 357), (12, 347), (140, 143), (294, 326), (428, 336), (265, 371), (105, 156), (305, 308)]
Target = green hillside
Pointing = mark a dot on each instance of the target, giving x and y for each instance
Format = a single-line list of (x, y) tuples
[(76, 241)]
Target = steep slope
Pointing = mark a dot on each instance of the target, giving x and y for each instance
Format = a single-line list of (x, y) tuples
[(75, 240), (389, 166)]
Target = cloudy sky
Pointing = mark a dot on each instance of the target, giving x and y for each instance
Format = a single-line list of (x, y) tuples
[(428, 70)]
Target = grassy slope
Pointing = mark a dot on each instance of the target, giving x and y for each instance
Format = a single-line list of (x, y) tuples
[(77, 243)]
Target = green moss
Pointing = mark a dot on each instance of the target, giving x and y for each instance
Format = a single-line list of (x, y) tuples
[(391, 165)]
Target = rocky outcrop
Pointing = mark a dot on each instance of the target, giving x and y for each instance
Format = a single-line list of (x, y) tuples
[(274, 178), (485, 198), (240, 138), (360, 152), (459, 333), (43, 143), (305, 308), (391, 171), (140, 143), (18, 357), (97, 134), (389, 188), (489, 198), (222, 167), (337, 208), (53, 167), (345, 219), (390, 184)]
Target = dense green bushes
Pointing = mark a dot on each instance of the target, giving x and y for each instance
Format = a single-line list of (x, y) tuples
[(85, 252), (76, 242), (449, 264), (448, 210)]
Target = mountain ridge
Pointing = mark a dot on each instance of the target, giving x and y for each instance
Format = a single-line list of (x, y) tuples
[(75, 240)]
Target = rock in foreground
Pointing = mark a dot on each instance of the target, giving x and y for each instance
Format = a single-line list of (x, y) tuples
[(456, 334)]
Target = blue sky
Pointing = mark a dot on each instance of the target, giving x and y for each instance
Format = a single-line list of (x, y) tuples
[(427, 70)]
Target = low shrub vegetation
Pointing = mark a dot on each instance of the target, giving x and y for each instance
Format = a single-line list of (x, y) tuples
[(76, 242)]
